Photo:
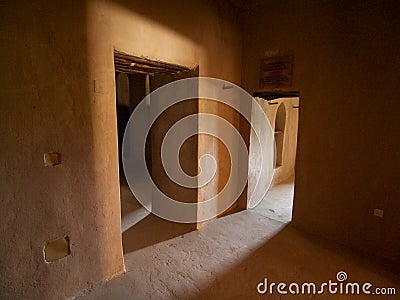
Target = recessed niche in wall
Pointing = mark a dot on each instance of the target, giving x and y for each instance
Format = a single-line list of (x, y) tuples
[(57, 249), (280, 123), (52, 159)]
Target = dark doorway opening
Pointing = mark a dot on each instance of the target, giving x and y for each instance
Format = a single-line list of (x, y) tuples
[(135, 78)]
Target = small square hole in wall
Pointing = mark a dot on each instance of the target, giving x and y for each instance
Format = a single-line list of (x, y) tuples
[(56, 249), (52, 159)]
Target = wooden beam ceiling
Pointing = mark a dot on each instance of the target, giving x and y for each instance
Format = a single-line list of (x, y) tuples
[(139, 65)]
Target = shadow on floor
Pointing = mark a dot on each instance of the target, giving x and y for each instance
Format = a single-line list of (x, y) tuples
[(152, 230), (228, 257), (141, 229), (294, 256)]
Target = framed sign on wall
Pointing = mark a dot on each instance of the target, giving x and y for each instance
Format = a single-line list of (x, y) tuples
[(276, 73)]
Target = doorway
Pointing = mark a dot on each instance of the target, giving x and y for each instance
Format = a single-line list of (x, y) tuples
[(135, 78), (282, 110), (130, 90)]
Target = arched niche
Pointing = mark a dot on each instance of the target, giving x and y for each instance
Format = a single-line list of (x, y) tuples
[(280, 124)]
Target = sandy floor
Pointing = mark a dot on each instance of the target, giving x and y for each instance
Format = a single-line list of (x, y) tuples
[(229, 256)]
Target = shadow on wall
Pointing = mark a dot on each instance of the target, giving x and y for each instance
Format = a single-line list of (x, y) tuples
[(348, 141), (47, 104), (192, 33), (214, 43), (162, 11)]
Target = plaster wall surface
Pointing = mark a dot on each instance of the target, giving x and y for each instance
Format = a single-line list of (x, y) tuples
[(47, 104), (346, 66), (196, 33), (58, 94)]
